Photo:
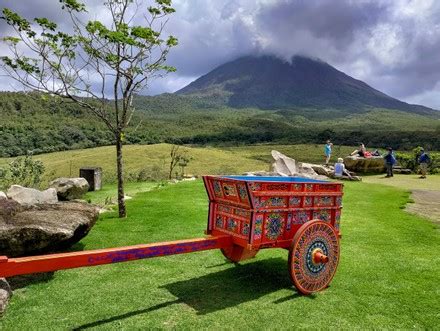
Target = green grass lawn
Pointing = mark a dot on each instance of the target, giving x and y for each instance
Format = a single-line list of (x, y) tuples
[(388, 276), (408, 182)]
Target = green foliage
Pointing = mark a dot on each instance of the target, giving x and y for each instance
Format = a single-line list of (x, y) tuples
[(410, 160), (43, 124), (22, 171)]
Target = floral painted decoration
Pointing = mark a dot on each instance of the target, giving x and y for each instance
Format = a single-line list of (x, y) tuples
[(274, 226)]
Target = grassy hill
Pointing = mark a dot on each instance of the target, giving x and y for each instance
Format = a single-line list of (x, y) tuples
[(38, 123), (153, 160)]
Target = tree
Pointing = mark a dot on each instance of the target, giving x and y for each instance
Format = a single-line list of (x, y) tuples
[(93, 62)]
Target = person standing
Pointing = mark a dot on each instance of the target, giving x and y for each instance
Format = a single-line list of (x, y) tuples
[(390, 160), (423, 161), (328, 151)]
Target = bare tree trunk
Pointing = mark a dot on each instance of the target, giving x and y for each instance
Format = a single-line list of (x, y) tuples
[(121, 200)]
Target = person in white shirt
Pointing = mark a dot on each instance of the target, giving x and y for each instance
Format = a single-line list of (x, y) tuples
[(340, 169)]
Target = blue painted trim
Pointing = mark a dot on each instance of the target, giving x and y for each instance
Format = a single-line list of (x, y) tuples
[(276, 179)]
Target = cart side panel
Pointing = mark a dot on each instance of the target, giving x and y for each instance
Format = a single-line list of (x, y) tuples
[(235, 221), (224, 190)]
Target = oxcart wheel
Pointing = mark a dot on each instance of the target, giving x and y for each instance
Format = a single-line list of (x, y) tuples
[(313, 256), (237, 253)]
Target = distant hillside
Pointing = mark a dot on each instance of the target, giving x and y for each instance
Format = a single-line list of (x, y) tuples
[(267, 82), (42, 124)]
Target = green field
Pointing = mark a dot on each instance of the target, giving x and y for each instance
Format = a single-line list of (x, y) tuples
[(206, 160), (387, 278)]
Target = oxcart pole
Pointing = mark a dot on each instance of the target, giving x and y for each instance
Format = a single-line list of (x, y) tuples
[(46, 263)]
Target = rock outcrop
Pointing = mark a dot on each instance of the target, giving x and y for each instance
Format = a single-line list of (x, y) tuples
[(373, 164), (31, 196), (70, 188), (286, 166), (5, 295), (30, 229)]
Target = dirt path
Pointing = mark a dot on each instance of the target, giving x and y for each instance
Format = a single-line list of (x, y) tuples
[(424, 192), (426, 203)]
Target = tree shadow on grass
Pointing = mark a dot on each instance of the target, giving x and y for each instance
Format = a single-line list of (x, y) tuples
[(223, 289), (21, 281)]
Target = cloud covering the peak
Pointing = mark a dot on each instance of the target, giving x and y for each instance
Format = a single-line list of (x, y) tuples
[(393, 46)]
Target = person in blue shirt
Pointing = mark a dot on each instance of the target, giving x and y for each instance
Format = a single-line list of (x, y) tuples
[(423, 161), (390, 160), (328, 151)]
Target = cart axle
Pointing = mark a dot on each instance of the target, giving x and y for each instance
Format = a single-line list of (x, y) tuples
[(319, 257), (45, 263)]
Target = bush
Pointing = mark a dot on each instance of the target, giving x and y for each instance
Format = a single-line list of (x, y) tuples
[(22, 171), (410, 160)]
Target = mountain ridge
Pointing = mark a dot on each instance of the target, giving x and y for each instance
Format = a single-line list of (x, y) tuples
[(267, 82)]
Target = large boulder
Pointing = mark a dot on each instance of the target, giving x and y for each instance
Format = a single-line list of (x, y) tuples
[(323, 170), (31, 229), (286, 166), (70, 188), (31, 196), (5, 295), (373, 164), (283, 165)]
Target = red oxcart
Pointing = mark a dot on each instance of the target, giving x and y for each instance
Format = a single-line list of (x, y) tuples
[(246, 214)]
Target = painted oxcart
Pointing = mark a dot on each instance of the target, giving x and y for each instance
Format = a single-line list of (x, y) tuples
[(246, 214)]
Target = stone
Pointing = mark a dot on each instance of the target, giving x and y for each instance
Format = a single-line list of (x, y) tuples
[(31, 196), (3, 195), (189, 179), (5, 295), (322, 170), (373, 164), (283, 165), (33, 229), (306, 169), (403, 171), (70, 188)]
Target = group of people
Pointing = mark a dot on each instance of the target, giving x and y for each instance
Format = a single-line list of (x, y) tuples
[(389, 159), (423, 161), (339, 166)]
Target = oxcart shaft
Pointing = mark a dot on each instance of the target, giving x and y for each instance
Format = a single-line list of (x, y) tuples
[(46, 263)]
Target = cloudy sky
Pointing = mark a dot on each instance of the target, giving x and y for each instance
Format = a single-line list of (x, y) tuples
[(394, 46)]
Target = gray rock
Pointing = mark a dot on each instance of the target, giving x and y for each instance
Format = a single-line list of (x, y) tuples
[(373, 164), (31, 229), (321, 170), (31, 196), (70, 188), (403, 171), (3, 195), (283, 165), (5, 295), (306, 169)]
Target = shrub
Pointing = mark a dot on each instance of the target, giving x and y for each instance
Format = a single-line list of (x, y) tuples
[(22, 171)]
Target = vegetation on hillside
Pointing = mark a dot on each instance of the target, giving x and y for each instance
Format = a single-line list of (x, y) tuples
[(38, 123)]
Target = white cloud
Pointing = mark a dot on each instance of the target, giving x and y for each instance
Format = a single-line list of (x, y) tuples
[(391, 45)]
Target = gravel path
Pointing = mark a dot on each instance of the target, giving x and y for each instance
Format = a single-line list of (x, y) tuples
[(426, 203)]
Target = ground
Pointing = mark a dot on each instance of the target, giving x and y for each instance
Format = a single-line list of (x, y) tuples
[(387, 277), (425, 193)]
